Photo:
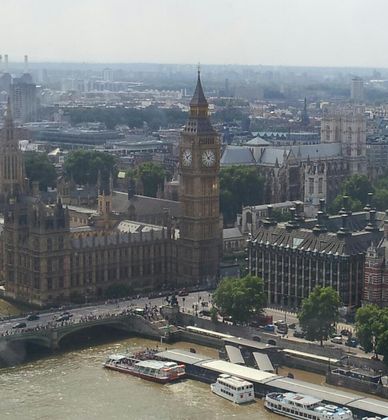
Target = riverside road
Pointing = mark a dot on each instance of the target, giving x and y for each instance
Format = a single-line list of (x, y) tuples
[(193, 303)]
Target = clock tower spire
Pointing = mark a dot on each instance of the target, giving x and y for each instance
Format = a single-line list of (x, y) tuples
[(200, 235)]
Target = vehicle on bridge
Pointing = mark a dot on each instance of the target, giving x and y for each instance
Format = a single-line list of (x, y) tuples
[(32, 317), (20, 325)]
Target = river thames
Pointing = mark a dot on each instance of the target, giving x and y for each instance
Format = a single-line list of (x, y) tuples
[(74, 386)]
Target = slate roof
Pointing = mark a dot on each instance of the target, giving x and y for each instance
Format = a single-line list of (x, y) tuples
[(232, 233), (258, 141), (316, 151), (306, 240), (144, 205), (237, 155), (273, 154)]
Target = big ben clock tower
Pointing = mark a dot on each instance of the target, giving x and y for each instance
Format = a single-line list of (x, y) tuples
[(199, 159)]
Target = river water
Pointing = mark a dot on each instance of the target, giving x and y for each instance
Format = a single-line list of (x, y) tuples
[(74, 386)]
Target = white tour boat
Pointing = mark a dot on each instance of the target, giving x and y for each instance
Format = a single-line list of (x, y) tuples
[(233, 389), (300, 406)]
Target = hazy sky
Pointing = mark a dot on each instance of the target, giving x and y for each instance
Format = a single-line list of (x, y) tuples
[(285, 32)]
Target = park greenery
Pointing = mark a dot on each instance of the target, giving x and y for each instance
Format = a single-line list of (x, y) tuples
[(319, 313), (153, 116), (239, 186), (357, 188), (240, 298), (372, 329), (40, 169), (151, 175), (84, 166)]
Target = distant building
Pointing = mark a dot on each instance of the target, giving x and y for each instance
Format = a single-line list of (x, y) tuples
[(24, 99), (107, 75), (357, 89)]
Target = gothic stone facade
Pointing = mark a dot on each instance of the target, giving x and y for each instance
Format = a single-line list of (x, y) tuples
[(45, 261)]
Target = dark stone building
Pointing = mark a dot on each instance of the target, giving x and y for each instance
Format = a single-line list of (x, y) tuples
[(294, 257)]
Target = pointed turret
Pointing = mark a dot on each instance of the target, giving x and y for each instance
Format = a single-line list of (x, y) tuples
[(198, 99)]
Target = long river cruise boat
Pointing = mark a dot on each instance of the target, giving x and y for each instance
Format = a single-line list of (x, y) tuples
[(300, 406), (150, 369), (233, 389)]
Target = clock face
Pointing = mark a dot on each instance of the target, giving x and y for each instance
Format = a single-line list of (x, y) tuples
[(208, 158), (187, 157)]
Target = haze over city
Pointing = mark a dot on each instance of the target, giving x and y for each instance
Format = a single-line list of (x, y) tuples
[(300, 32)]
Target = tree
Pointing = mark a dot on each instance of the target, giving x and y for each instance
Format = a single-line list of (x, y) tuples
[(337, 204), (152, 176), (240, 298), (39, 168), (371, 329), (239, 185), (83, 166), (319, 313)]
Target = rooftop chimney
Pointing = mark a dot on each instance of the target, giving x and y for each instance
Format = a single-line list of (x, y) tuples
[(293, 222), (386, 225), (368, 205), (372, 225), (269, 220), (345, 206), (320, 227), (344, 231)]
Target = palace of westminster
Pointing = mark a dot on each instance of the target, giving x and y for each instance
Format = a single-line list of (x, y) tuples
[(45, 260), (51, 253)]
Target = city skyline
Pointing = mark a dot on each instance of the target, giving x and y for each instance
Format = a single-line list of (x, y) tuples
[(297, 33)]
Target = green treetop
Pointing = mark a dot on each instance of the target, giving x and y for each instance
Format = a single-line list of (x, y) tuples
[(83, 166), (240, 298), (239, 185), (40, 169), (152, 176), (319, 313)]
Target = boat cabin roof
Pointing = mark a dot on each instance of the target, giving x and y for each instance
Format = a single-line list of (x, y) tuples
[(234, 381), (301, 398), (155, 364), (117, 357)]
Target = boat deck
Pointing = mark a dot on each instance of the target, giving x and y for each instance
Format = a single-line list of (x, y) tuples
[(270, 382)]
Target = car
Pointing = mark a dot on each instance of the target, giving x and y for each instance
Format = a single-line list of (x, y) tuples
[(20, 325), (66, 314), (269, 327), (63, 318), (282, 329), (183, 292), (346, 333), (337, 340), (280, 322), (299, 333), (352, 342), (292, 326), (32, 317), (256, 338)]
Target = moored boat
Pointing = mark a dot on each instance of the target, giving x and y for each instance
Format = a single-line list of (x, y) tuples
[(233, 389), (300, 406), (150, 369)]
